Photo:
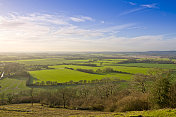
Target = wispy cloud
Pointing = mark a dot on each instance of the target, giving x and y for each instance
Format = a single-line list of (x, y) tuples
[(50, 32), (81, 19), (132, 3), (46, 32), (139, 8), (154, 5), (102, 22), (132, 11), (116, 28)]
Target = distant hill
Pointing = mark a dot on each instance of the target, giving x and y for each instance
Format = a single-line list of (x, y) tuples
[(150, 53)]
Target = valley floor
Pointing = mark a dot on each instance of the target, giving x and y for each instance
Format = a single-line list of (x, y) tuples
[(26, 110)]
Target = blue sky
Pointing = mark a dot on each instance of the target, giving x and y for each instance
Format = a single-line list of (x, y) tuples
[(87, 25)]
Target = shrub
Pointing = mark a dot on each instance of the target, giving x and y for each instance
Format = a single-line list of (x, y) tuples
[(161, 89), (98, 107), (26, 99), (133, 103), (108, 70), (172, 96)]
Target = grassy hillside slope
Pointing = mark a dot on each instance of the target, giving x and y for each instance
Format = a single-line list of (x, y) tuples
[(26, 110)]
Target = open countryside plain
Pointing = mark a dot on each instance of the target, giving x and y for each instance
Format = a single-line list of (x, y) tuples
[(39, 76), (57, 70), (60, 74), (87, 58)]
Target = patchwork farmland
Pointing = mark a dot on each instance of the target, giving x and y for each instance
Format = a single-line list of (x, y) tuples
[(82, 79)]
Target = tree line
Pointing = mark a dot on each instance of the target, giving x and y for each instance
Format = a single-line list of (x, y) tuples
[(71, 82)]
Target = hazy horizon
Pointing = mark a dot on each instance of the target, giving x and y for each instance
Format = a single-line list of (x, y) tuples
[(87, 25)]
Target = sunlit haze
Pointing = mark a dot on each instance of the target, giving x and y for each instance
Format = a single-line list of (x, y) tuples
[(87, 25)]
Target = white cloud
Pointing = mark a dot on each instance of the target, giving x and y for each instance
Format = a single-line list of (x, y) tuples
[(140, 8), (154, 5), (132, 3), (132, 11), (81, 19), (87, 18), (45, 32), (102, 22), (140, 43), (116, 28)]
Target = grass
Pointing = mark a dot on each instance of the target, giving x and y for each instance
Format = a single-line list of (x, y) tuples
[(132, 70), (54, 61), (16, 110), (157, 59), (61, 75), (108, 61), (64, 75), (150, 65), (150, 113), (111, 60), (9, 85), (49, 61), (74, 66)]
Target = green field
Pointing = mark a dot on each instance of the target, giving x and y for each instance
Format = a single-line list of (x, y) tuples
[(157, 59), (150, 65), (60, 74), (54, 61), (9, 85), (133, 70), (108, 61), (49, 61), (64, 75), (41, 61), (74, 66)]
